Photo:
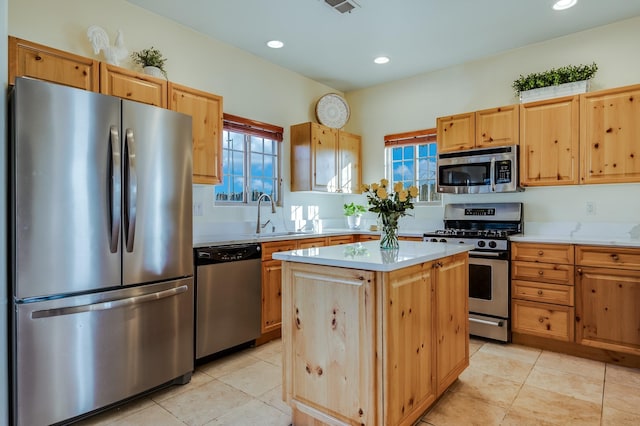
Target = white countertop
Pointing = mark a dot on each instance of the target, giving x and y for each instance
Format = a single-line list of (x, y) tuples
[(595, 240), (368, 255)]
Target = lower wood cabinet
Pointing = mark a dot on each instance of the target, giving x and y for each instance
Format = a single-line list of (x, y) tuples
[(543, 319)]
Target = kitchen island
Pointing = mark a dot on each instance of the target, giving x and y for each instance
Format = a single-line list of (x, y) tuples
[(371, 336)]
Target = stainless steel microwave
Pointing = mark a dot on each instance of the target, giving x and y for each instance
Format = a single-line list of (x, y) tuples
[(478, 171)]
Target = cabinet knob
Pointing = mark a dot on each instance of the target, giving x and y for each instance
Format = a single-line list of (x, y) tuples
[(540, 252), (539, 292), (541, 320), (615, 257), (540, 273)]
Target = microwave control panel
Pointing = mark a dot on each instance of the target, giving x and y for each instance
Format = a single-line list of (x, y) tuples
[(503, 171)]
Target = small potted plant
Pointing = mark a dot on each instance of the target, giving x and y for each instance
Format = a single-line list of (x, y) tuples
[(151, 61), (354, 212), (563, 81)]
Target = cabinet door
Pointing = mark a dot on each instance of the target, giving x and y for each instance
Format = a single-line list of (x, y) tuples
[(409, 340), (609, 141), (350, 171), (549, 133), (271, 295), (329, 335), (27, 59), (132, 85), (452, 318), (205, 110), (497, 127), (324, 151), (456, 132), (607, 309)]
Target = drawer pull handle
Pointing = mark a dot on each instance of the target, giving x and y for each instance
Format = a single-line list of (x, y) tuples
[(540, 273), (539, 292), (540, 252), (615, 257)]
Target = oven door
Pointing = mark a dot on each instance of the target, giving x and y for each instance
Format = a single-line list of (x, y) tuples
[(489, 294)]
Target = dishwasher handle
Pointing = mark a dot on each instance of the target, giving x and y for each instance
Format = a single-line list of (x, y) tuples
[(228, 253)]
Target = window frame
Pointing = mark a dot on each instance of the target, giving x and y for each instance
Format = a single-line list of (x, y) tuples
[(250, 129), (414, 139)]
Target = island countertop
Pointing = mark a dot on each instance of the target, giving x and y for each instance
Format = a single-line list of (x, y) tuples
[(368, 255)]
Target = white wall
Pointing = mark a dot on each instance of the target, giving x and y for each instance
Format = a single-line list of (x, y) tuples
[(250, 86), (4, 347), (414, 103)]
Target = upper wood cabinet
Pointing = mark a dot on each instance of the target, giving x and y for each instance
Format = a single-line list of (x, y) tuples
[(324, 159), (480, 129), (127, 84), (610, 135), (27, 59), (549, 132), (205, 110)]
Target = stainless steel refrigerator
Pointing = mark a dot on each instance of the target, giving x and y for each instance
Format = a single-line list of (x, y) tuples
[(101, 250)]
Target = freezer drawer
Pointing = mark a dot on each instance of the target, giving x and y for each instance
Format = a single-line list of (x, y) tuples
[(77, 354)]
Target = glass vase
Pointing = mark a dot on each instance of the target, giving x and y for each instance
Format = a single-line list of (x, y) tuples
[(389, 235)]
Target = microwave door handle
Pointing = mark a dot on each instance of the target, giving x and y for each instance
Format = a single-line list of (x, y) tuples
[(492, 174)]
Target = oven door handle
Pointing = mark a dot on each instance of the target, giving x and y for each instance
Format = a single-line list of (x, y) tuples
[(484, 253), (498, 323)]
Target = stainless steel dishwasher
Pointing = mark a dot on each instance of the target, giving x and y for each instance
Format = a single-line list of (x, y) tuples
[(228, 297)]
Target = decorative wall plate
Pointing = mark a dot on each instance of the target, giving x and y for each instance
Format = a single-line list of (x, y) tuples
[(332, 110)]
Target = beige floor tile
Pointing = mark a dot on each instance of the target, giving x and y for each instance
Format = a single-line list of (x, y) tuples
[(255, 379), (515, 419), (613, 417), (572, 364), (150, 416), (275, 359), (515, 352), (117, 413), (474, 345), (569, 384), (274, 399), (267, 350), (457, 409), (622, 375), (493, 389), (251, 414), (228, 364), (205, 403), (622, 397), (497, 365), (199, 378), (553, 407)]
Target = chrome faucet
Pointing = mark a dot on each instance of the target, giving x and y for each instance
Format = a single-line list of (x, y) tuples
[(273, 210)]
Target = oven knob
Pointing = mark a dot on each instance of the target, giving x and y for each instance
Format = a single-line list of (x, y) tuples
[(442, 240), (434, 240), (492, 244), (481, 243)]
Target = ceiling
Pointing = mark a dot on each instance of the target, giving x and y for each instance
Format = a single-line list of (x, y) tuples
[(417, 35)]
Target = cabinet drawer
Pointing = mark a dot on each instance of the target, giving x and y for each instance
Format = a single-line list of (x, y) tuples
[(542, 292), (312, 242), (610, 257), (542, 272), (547, 253), (340, 239), (542, 319), (269, 248)]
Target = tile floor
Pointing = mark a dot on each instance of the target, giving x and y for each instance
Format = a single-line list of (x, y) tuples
[(504, 385)]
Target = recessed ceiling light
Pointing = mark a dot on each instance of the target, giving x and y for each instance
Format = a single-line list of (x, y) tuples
[(564, 4), (381, 60), (275, 44)]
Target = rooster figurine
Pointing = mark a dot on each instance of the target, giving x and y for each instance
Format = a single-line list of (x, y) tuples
[(100, 41)]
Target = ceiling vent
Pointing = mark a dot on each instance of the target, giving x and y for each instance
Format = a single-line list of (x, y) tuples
[(342, 6)]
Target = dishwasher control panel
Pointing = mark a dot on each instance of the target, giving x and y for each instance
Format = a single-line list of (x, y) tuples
[(230, 253)]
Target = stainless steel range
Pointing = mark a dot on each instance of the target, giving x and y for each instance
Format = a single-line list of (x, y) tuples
[(486, 226)]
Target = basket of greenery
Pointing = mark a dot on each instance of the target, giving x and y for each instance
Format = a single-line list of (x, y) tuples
[(151, 61), (354, 212), (563, 81)]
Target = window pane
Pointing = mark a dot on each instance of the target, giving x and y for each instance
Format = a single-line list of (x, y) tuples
[(397, 153), (256, 144)]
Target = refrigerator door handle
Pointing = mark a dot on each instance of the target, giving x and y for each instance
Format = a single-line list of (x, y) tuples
[(132, 190), (116, 189), (111, 304)]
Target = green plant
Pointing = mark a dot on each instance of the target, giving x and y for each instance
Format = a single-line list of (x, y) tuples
[(353, 209), (150, 58), (552, 77)]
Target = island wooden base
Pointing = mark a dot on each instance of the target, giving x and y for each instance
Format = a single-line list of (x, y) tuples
[(372, 348)]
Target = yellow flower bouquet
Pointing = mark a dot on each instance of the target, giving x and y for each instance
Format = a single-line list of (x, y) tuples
[(390, 207)]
